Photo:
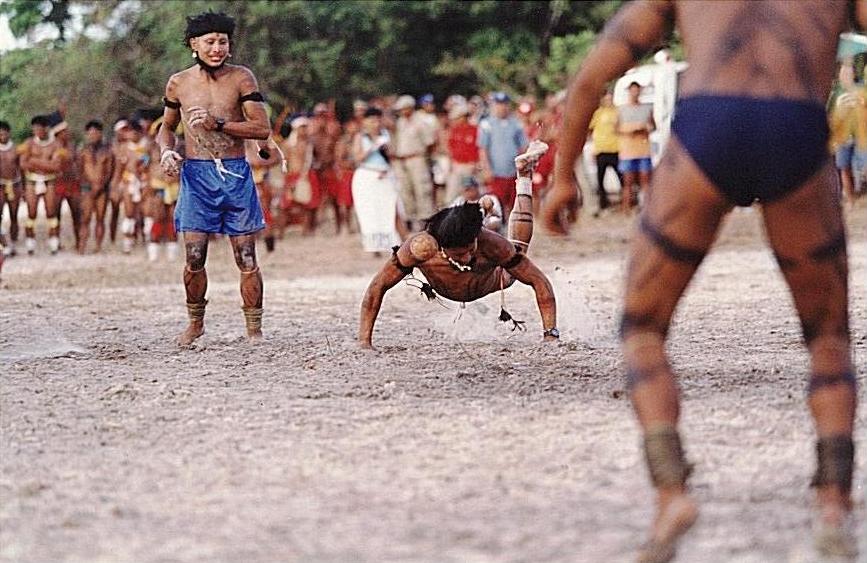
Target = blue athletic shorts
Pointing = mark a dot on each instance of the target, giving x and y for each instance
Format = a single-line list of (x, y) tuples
[(213, 203), (635, 165)]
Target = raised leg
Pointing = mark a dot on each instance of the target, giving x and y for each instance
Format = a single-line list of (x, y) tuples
[(807, 235), (196, 285)]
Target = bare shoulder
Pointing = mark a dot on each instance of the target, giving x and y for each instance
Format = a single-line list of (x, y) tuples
[(176, 81), (422, 246), (243, 77), (495, 246)]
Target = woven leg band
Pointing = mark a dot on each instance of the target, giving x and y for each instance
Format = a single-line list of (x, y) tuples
[(196, 311), (835, 459), (253, 317), (665, 458)]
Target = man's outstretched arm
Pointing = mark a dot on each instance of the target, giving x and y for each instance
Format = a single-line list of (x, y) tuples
[(633, 31), (391, 273), (527, 272)]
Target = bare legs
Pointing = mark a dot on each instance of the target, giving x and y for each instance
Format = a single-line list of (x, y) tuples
[(678, 226), (807, 235), (244, 248), (92, 204), (196, 284), (805, 230)]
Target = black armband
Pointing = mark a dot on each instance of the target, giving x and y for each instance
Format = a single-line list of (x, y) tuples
[(513, 261), (252, 97), (170, 104)]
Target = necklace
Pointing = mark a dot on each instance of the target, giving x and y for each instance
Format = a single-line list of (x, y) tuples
[(455, 264)]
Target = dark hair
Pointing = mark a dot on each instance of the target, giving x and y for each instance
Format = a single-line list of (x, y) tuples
[(454, 227), (93, 124), (208, 22), (136, 126), (631, 84), (370, 112), (40, 120), (5, 126)]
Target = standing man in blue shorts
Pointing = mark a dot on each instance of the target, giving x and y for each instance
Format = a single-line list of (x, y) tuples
[(220, 106)]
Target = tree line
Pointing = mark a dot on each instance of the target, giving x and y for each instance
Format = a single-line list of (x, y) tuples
[(109, 57)]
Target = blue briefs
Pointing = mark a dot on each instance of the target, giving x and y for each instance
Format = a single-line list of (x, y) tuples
[(218, 202), (751, 148)]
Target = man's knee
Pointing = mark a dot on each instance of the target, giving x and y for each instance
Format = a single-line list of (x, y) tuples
[(245, 255), (197, 254)]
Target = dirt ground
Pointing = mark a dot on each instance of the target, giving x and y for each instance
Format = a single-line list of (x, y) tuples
[(457, 441)]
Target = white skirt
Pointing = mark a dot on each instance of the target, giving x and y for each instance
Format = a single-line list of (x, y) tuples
[(375, 198)]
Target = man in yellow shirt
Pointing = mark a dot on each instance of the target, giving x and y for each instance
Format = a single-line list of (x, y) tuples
[(603, 127)]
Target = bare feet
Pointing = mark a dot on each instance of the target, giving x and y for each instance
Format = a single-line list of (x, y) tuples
[(194, 330), (254, 336), (675, 517), (834, 530)]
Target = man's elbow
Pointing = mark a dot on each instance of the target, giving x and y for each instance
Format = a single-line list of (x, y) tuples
[(262, 132)]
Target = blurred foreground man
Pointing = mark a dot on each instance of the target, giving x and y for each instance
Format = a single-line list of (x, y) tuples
[(220, 106), (750, 126)]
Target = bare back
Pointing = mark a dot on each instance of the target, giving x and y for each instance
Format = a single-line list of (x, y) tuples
[(768, 49)]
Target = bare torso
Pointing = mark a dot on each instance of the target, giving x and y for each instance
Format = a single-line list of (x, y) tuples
[(770, 49), (96, 165), (485, 277), (38, 154), (9, 168), (221, 97)]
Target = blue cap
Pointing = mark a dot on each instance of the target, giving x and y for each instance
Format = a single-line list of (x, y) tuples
[(426, 99), (501, 98)]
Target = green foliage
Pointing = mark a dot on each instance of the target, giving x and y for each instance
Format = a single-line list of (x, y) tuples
[(301, 51)]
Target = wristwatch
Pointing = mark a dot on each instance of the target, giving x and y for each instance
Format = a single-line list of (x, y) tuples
[(220, 124), (552, 332)]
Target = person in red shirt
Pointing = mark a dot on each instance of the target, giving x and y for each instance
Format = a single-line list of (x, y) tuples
[(463, 151)]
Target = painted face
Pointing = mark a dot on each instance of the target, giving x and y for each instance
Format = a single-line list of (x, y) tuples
[(211, 48), (462, 255), (4, 136), (39, 131)]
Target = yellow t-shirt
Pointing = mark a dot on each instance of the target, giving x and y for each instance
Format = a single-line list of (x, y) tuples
[(604, 127), (849, 119)]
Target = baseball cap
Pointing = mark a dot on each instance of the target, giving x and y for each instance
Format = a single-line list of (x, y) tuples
[(404, 102), (426, 99), (501, 98)]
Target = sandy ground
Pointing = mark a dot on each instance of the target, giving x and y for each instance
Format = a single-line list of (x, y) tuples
[(458, 441)]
